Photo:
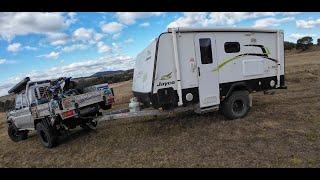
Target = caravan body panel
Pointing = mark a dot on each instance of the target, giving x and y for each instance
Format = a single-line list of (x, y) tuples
[(144, 69), (239, 66), (248, 55)]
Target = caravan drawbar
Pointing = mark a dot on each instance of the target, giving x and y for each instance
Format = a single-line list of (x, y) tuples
[(209, 68)]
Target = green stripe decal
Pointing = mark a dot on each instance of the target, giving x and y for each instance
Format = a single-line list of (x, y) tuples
[(238, 57), (267, 49), (226, 61)]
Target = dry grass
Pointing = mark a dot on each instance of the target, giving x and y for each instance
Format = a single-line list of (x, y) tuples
[(281, 130), (2, 119)]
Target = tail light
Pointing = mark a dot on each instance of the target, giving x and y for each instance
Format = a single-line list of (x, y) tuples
[(68, 114), (110, 99)]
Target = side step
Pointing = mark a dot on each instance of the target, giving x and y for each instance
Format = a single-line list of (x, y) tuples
[(206, 109)]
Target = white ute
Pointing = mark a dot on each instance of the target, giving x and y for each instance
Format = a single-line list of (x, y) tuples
[(52, 107)]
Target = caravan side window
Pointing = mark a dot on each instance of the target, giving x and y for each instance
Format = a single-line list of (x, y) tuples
[(205, 50), (231, 47)]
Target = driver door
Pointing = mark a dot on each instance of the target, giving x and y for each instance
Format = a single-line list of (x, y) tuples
[(22, 113)]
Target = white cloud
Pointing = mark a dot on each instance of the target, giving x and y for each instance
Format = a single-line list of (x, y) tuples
[(77, 69), (230, 18), (205, 19), (74, 47), (103, 48), (290, 13), (128, 41), (112, 27), (116, 47), (267, 22), (2, 61), (14, 47), (116, 36), (23, 23), (71, 18), (98, 36), (83, 34), (51, 55), (146, 24), (30, 48), (308, 24), (190, 20), (56, 39), (87, 35), (295, 36), (129, 18)]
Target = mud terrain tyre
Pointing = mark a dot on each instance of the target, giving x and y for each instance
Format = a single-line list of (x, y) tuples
[(104, 106), (16, 135), (167, 106), (47, 135), (237, 105)]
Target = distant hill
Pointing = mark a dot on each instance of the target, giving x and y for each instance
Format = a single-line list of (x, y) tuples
[(105, 73), (105, 77)]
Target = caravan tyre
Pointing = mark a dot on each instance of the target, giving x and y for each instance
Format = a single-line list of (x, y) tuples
[(104, 106), (167, 106), (237, 105)]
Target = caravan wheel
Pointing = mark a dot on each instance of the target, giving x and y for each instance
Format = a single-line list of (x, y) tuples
[(237, 105)]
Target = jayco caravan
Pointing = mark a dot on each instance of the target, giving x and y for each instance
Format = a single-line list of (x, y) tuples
[(209, 68)]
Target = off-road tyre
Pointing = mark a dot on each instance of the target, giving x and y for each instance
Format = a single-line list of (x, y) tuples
[(237, 105), (104, 106), (16, 135), (168, 106), (47, 135)]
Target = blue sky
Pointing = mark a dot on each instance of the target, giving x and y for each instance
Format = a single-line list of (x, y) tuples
[(48, 45)]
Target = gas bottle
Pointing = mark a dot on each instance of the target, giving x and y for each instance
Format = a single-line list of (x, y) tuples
[(134, 105)]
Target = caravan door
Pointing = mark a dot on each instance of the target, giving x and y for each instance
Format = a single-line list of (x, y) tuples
[(207, 74)]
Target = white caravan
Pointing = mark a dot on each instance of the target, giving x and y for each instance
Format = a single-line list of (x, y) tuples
[(209, 68)]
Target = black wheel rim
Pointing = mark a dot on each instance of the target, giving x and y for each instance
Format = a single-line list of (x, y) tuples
[(94, 123), (14, 132), (238, 106)]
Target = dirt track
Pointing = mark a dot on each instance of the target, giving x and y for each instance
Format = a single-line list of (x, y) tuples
[(281, 130)]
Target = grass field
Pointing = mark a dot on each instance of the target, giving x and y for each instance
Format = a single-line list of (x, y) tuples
[(281, 130)]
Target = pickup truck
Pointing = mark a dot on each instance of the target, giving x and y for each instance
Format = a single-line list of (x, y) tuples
[(53, 107)]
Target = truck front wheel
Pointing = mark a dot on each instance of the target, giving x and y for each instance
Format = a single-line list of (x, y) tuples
[(16, 135), (237, 105), (47, 136)]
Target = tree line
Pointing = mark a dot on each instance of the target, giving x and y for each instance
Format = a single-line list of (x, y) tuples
[(303, 44)]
